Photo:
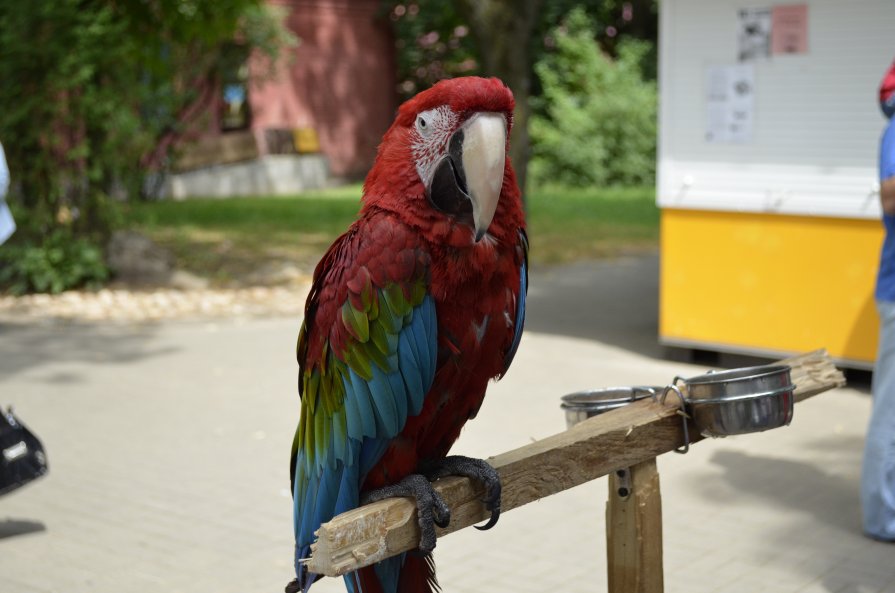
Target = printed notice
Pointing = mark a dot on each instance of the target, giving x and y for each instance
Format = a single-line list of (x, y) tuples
[(729, 103), (753, 34), (789, 29)]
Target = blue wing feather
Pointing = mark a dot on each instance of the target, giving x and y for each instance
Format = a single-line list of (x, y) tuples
[(354, 421), (370, 454), (409, 365), (385, 405), (340, 435), (348, 494), (519, 322), (392, 387), (431, 329), (357, 390), (421, 344), (375, 411), (328, 490)]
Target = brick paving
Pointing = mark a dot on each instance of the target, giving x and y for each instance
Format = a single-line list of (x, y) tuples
[(168, 446)]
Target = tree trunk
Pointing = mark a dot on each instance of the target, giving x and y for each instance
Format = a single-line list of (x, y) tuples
[(502, 31)]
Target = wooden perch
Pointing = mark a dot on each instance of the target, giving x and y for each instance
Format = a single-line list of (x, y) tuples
[(813, 373), (596, 447)]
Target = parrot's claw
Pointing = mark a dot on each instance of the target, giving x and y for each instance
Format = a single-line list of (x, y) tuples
[(430, 507), (476, 469)]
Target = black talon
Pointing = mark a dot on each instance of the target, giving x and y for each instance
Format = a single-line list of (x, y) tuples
[(476, 469), (444, 520), (491, 522), (430, 507)]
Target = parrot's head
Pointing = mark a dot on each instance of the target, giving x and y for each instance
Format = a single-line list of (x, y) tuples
[(443, 164)]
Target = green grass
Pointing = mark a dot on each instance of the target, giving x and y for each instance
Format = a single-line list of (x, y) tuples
[(566, 224), (230, 239)]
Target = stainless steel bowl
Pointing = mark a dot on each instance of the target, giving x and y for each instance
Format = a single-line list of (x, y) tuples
[(585, 404), (740, 401), (742, 381)]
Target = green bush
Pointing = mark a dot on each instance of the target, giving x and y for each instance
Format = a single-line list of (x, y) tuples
[(94, 96), (59, 262), (595, 123)]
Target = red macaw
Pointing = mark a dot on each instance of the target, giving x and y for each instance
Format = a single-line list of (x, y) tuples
[(412, 311)]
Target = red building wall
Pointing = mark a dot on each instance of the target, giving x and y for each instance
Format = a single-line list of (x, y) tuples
[(340, 80)]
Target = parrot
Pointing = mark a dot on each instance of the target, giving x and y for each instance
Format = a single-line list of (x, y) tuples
[(411, 313)]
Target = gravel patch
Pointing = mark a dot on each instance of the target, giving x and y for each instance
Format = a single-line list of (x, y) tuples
[(127, 305)]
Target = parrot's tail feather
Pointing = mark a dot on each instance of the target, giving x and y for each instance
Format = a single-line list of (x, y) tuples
[(364, 581), (304, 579), (418, 575), (405, 573), (303, 585)]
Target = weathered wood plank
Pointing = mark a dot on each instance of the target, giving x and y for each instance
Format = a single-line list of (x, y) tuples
[(813, 373), (634, 530), (591, 449)]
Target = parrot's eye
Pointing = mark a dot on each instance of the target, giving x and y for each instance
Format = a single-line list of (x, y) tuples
[(424, 124)]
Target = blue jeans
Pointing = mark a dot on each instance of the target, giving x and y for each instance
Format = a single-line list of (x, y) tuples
[(878, 471)]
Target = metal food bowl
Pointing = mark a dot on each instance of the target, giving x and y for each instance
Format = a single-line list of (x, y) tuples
[(740, 401), (585, 404)]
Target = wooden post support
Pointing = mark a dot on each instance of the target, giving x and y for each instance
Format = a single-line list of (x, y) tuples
[(634, 530)]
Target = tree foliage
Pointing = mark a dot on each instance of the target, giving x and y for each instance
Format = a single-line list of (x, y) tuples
[(433, 43), (95, 92), (437, 40), (595, 120), (613, 22)]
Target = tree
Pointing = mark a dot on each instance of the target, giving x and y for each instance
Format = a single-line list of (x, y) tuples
[(433, 43), (502, 30), (93, 91), (612, 22), (505, 38), (595, 120)]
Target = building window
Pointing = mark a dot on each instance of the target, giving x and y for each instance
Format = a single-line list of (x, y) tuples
[(235, 112)]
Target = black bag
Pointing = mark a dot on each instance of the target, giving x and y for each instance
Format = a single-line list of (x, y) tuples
[(22, 457)]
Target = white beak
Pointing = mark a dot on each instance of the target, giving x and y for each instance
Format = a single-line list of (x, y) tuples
[(484, 157)]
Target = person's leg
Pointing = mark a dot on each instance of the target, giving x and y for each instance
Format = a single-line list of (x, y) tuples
[(878, 472)]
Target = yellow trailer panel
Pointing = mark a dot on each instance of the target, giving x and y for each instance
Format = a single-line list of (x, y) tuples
[(769, 284)]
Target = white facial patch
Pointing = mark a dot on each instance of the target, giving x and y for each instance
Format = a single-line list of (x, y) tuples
[(432, 131)]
